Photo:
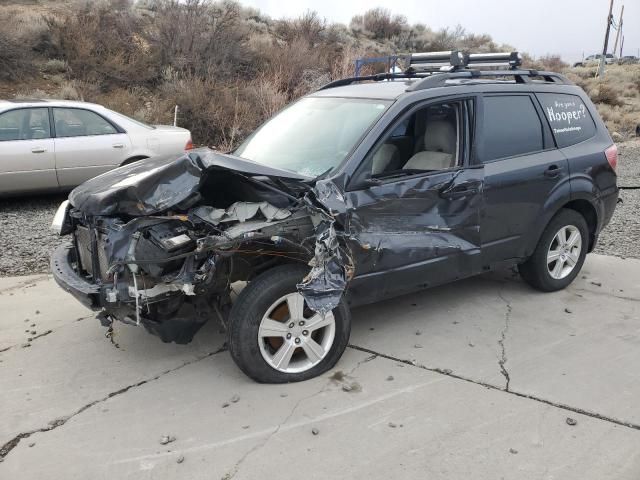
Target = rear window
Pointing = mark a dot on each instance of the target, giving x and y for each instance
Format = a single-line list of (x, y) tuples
[(569, 118), (511, 127)]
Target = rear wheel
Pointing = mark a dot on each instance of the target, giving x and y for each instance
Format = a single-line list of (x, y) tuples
[(273, 335), (560, 253)]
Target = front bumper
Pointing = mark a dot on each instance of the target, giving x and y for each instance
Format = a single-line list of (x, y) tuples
[(84, 291), (178, 322)]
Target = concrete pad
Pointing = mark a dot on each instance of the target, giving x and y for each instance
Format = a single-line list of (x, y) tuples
[(583, 358), (33, 303), (92, 410), (418, 424), (75, 365)]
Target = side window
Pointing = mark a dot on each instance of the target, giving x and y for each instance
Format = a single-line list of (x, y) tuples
[(511, 127), (75, 122), (426, 140), (25, 124), (569, 118)]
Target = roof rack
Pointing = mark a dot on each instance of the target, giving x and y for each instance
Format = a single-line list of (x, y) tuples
[(436, 68), (439, 79)]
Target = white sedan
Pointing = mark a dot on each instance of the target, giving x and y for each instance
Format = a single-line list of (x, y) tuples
[(55, 145)]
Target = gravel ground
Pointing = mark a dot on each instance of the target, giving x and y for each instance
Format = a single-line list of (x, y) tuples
[(25, 239)]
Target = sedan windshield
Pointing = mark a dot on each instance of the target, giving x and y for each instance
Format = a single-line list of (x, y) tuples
[(313, 135)]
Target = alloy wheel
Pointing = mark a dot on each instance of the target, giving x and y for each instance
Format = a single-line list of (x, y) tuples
[(293, 338), (564, 252)]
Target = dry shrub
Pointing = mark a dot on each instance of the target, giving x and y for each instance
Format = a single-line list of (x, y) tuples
[(19, 30), (54, 65), (607, 94), (266, 96), (552, 63), (130, 101), (309, 27), (290, 65), (199, 37), (379, 23), (14, 64), (215, 113), (100, 43)]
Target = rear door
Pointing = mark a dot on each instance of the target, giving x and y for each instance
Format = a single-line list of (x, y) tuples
[(27, 151), (523, 173), (87, 144)]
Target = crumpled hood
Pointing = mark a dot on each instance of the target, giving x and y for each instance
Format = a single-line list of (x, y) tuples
[(150, 186)]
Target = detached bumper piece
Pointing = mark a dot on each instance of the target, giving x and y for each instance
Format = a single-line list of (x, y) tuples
[(84, 291)]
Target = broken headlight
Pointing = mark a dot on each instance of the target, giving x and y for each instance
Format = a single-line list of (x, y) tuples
[(61, 224)]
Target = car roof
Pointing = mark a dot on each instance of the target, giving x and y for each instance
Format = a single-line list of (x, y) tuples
[(393, 89), (42, 102), (386, 90)]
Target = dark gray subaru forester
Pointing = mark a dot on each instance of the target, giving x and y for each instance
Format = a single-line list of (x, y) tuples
[(369, 188)]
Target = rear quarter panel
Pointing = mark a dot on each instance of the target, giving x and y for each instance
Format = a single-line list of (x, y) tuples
[(592, 178)]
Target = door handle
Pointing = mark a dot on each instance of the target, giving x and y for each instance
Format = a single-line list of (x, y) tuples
[(38, 150), (552, 172), (118, 145), (460, 190)]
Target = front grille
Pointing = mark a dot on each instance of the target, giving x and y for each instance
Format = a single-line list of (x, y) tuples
[(83, 240)]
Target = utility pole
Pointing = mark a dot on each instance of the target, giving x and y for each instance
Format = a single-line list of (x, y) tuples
[(606, 40), (619, 32), (621, 45)]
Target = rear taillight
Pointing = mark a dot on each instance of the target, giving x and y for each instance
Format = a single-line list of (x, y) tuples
[(612, 156), (189, 145)]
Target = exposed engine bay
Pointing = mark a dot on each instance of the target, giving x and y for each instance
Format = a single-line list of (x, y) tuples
[(162, 241)]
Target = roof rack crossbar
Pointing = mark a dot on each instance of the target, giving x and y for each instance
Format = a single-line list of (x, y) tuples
[(455, 60)]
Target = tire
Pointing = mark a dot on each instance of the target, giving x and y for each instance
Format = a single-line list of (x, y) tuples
[(543, 275), (267, 297)]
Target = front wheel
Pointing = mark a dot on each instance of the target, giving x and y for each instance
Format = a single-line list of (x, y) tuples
[(274, 337), (560, 253)]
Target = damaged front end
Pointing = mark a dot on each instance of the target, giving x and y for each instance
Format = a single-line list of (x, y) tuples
[(159, 243)]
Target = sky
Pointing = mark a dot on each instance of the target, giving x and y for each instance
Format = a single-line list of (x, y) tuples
[(565, 27)]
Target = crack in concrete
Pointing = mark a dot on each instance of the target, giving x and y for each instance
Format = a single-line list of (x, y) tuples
[(251, 451), (58, 422), (502, 361), (44, 334), (447, 372)]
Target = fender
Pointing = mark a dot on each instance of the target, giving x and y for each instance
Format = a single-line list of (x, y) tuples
[(558, 198), (583, 188)]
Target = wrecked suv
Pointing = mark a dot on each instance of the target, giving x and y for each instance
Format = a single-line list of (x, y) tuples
[(369, 188)]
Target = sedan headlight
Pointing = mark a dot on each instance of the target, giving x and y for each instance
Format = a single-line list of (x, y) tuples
[(60, 224)]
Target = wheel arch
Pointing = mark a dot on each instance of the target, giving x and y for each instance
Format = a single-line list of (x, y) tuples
[(581, 204), (589, 213), (133, 158)]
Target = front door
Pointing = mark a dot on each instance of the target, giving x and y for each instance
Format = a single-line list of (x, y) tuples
[(415, 222), (27, 153), (86, 145)]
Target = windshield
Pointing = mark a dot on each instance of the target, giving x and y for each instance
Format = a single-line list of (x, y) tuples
[(313, 135)]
